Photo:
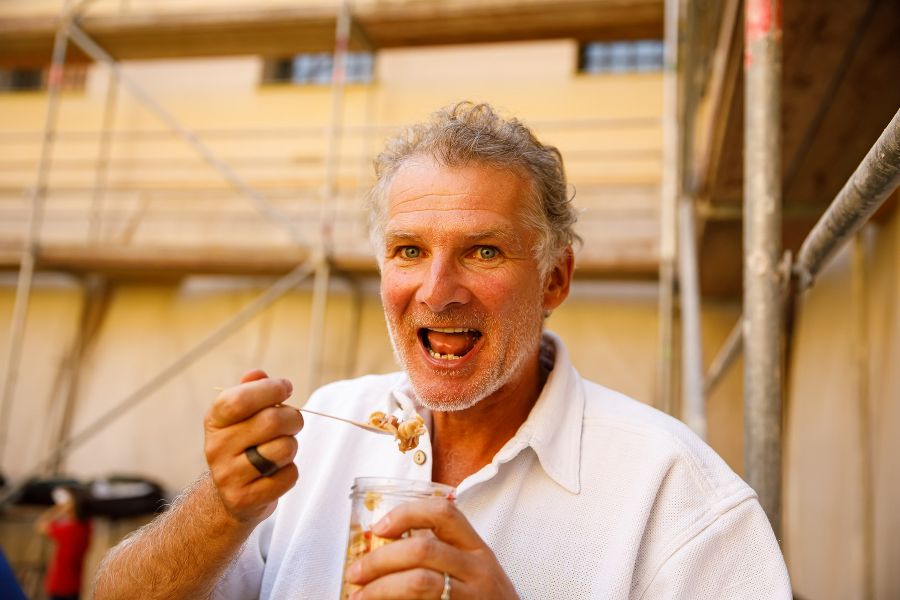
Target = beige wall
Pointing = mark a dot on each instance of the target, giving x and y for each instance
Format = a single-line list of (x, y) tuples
[(35, 414), (824, 452)]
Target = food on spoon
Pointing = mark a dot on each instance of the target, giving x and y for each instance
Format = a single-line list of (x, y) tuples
[(384, 422), (409, 431), (406, 432)]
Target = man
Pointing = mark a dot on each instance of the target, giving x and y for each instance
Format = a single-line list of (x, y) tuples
[(564, 489)]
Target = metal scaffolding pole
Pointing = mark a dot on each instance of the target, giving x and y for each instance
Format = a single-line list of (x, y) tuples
[(273, 293), (101, 178), (356, 315), (32, 240), (94, 307), (317, 322), (728, 353), (668, 209), (871, 183), (335, 126), (762, 250), (329, 198), (693, 398)]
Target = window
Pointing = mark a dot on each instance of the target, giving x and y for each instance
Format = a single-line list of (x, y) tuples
[(316, 68), (19, 79), (621, 57)]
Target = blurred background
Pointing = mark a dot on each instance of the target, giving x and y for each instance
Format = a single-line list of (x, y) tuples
[(182, 199)]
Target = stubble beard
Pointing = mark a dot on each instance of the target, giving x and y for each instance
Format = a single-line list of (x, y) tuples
[(514, 342)]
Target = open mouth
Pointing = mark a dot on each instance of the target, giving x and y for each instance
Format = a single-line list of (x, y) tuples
[(448, 343)]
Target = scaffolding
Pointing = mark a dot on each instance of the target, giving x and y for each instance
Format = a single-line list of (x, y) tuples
[(318, 264), (313, 259), (771, 277)]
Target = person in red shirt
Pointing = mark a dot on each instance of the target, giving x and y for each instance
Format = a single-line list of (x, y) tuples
[(68, 525)]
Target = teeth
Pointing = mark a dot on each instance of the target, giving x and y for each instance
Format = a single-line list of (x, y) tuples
[(450, 329), (442, 356)]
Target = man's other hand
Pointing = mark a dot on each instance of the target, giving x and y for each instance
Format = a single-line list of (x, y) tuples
[(414, 567)]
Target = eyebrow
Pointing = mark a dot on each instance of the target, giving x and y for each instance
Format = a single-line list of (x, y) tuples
[(505, 237)]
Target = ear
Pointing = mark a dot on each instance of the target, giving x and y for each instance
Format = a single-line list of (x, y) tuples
[(556, 288)]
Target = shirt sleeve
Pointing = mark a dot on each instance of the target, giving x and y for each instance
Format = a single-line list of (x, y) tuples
[(735, 557), (243, 578)]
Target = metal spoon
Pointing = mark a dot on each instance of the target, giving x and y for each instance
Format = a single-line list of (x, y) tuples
[(359, 424)]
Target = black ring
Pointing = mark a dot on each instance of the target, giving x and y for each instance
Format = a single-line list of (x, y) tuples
[(265, 466)]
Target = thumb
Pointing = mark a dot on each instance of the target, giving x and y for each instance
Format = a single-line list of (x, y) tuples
[(253, 375)]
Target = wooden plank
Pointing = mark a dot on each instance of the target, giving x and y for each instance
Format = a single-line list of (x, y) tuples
[(444, 23), (286, 31), (714, 109), (818, 40), (857, 113)]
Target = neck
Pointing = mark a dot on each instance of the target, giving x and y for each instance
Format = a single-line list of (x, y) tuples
[(464, 441)]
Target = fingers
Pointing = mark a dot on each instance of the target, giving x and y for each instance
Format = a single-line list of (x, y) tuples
[(238, 472), (251, 414), (254, 501), (280, 450), (267, 424), (238, 403), (407, 555), (414, 567), (409, 585), (437, 514)]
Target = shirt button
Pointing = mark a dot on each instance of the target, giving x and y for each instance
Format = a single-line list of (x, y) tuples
[(419, 457)]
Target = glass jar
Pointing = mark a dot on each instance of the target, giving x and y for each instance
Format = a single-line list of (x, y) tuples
[(372, 498)]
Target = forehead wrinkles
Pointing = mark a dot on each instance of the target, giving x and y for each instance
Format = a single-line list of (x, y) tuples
[(426, 177), (404, 196), (421, 198)]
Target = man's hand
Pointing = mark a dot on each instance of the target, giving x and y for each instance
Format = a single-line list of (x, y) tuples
[(184, 551), (251, 414), (414, 567)]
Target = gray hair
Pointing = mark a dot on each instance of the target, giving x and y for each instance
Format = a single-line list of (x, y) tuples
[(467, 133)]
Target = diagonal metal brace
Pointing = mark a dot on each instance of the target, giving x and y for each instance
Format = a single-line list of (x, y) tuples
[(278, 217)]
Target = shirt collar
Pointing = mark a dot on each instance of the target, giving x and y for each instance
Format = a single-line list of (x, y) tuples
[(553, 427)]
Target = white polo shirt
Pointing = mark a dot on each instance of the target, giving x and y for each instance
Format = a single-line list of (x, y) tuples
[(596, 496)]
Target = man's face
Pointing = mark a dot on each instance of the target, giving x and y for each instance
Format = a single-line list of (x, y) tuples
[(461, 288)]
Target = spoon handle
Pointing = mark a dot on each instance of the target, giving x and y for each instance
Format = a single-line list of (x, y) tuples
[(359, 424)]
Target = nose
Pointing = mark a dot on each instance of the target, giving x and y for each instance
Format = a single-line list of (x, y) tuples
[(442, 285)]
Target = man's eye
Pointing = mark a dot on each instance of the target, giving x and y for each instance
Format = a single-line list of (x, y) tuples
[(410, 252), (487, 252)]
